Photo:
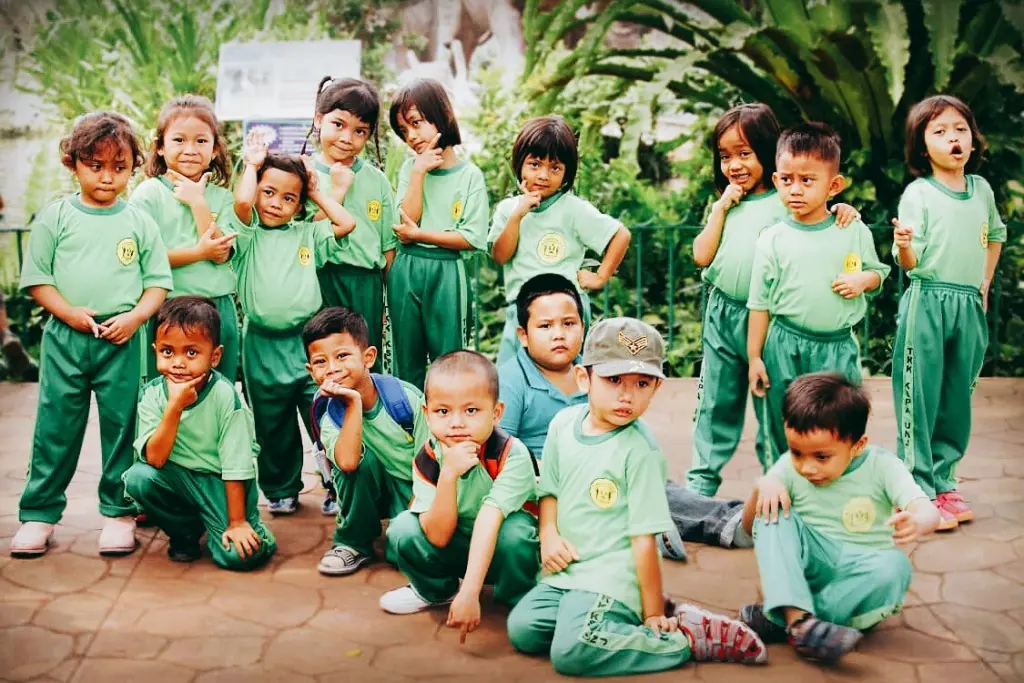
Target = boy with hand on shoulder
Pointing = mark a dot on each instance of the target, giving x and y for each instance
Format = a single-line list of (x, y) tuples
[(370, 427), (599, 609), (196, 445), (809, 280), (829, 564), (471, 482)]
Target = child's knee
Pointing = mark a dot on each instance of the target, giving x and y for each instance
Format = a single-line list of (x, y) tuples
[(525, 634), (893, 569), (233, 561), (139, 478), (567, 657), (518, 531), (404, 530)]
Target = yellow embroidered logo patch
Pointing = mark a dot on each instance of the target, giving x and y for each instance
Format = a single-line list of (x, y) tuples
[(634, 346), (859, 515), (373, 209), (305, 256), (127, 251), (984, 235), (457, 210), (604, 493), (852, 264), (551, 248)]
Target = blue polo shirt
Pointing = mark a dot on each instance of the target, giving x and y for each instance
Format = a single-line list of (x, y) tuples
[(531, 400)]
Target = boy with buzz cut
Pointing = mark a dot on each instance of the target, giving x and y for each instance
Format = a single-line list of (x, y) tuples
[(196, 445), (829, 566), (599, 609), (370, 427), (809, 280), (471, 481)]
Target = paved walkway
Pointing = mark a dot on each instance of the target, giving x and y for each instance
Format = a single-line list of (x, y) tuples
[(73, 616)]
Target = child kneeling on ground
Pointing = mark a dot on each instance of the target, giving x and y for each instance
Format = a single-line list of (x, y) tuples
[(599, 608), (470, 484), (196, 446), (829, 568)]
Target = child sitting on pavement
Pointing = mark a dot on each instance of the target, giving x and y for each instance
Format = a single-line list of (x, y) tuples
[(370, 428), (196, 445), (599, 608), (471, 482), (829, 568)]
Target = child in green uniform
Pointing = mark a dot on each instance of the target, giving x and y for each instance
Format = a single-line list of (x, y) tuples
[(743, 146), (599, 609), (443, 214), (371, 428), (347, 112), (948, 238), (196, 446), (471, 482), (808, 281), (276, 255), (829, 568), (188, 153), (98, 266), (548, 229)]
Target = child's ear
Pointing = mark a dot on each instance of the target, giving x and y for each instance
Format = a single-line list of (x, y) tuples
[(499, 410), (582, 379), (836, 185), (317, 120), (369, 357), (216, 355), (860, 445), (521, 333)]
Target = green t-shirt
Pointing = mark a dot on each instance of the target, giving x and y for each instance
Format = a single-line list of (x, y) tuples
[(854, 507), (277, 283), (553, 238), (730, 270), (514, 486), (216, 433), (384, 437), (371, 202), (795, 265), (610, 488), (453, 199), (102, 259), (178, 230), (951, 229)]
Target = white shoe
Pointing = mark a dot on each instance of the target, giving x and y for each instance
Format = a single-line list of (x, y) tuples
[(406, 600), (118, 536), (32, 539)]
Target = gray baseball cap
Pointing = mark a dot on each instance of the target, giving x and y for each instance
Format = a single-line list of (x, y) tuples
[(620, 346)]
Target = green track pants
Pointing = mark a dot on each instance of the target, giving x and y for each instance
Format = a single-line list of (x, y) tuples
[(843, 583), (366, 496), (72, 366), (941, 337), (435, 572), (230, 339), (588, 634), (721, 394), (791, 351), (278, 387), (428, 299), (185, 503), (360, 290)]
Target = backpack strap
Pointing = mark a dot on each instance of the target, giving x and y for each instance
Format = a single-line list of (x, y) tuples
[(396, 402), (426, 466), (496, 451), (324, 405)]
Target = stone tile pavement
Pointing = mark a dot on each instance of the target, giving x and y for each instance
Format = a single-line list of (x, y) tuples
[(72, 616)]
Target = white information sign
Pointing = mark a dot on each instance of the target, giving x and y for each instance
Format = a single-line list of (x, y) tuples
[(278, 80)]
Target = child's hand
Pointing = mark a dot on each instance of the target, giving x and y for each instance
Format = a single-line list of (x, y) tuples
[(757, 374), (120, 328), (84, 320), (556, 553), (845, 214), (342, 177), (985, 286), (904, 528), (851, 285), (188, 191), (464, 613), (244, 538), (661, 624), (731, 197), (181, 395), (527, 202), (589, 280), (216, 249), (430, 158), (901, 236), (407, 230), (255, 150), (771, 497), (334, 389), (461, 457)]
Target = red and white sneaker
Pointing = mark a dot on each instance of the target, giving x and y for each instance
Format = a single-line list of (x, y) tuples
[(717, 638), (956, 505), (947, 520)]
